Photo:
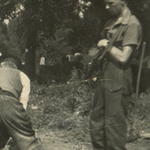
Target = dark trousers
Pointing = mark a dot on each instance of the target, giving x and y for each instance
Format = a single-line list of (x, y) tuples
[(108, 126), (15, 123)]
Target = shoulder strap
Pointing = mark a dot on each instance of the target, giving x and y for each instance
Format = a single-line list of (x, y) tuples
[(110, 44)]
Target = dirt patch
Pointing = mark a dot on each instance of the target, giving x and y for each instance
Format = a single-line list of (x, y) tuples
[(58, 140)]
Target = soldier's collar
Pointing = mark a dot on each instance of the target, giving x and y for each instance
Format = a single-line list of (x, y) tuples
[(125, 19)]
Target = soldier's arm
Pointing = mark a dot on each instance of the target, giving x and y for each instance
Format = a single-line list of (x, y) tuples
[(122, 55), (130, 42), (24, 97)]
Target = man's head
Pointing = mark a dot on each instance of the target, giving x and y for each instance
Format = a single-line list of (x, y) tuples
[(11, 59), (115, 7)]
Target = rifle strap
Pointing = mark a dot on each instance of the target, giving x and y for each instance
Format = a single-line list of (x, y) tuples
[(110, 44)]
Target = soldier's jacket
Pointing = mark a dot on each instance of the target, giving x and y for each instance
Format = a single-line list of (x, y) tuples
[(117, 75)]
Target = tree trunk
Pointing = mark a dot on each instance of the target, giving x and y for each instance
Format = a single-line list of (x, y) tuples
[(31, 54)]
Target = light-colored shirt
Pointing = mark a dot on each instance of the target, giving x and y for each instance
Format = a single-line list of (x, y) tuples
[(132, 34), (24, 97)]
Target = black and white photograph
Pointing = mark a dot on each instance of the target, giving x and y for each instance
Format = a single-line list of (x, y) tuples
[(74, 74)]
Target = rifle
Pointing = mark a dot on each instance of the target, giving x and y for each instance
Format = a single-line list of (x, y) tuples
[(96, 64), (93, 67)]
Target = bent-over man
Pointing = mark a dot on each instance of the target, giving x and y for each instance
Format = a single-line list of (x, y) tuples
[(14, 94)]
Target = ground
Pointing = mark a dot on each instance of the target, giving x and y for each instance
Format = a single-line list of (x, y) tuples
[(60, 117), (56, 139), (55, 142)]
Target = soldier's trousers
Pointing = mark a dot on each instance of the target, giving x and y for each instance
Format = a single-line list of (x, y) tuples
[(15, 123), (108, 125)]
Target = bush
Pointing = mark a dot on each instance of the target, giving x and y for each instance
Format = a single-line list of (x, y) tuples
[(64, 106)]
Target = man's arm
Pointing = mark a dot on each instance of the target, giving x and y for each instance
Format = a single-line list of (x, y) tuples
[(24, 97), (119, 55), (122, 55), (131, 41)]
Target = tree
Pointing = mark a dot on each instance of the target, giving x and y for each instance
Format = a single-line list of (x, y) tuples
[(40, 21), (54, 48), (9, 11), (47, 16), (14, 43), (8, 7)]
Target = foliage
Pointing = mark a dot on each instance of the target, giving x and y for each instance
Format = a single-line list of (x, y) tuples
[(3, 45), (63, 107), (138, 118), (15, 44), (54, 48), (7, 8), (47, 16), (10, 42), (85, 20), (67, 107)]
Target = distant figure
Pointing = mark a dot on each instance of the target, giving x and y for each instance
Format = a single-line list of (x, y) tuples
[(14, 96), (42, 63), (42, 60)]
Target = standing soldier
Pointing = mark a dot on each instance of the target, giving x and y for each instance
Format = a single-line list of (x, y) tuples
[(108, 118), (14, 94)]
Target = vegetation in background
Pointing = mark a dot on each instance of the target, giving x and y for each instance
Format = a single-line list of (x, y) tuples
[(78, 23), (62, 107), (56, 28), (66, 109)]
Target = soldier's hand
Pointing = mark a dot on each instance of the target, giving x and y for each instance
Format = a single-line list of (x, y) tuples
[(102, 43)]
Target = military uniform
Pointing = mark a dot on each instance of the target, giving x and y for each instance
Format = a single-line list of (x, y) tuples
[(108, 118)]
